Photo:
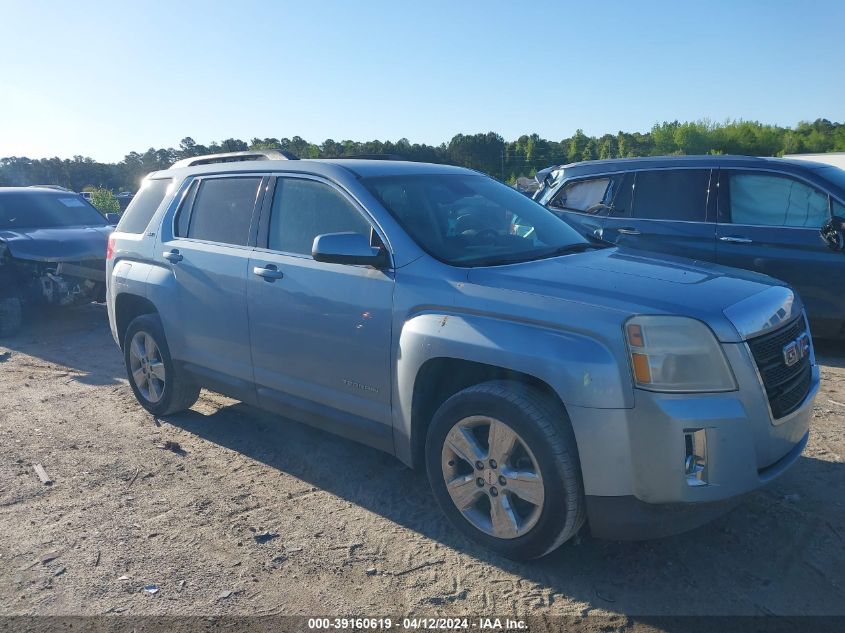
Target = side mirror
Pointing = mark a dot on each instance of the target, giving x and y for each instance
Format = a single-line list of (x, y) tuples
[(347, 248), (833, 232), (113, 218)]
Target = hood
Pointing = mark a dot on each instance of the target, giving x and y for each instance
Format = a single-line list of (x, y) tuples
[(57, 245), (633, 282)]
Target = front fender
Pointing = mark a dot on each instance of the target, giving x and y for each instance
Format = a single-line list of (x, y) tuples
[(582, 370)]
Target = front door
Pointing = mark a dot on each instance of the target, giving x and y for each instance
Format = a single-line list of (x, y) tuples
[(583, 202), (321, 333), (769, 222)]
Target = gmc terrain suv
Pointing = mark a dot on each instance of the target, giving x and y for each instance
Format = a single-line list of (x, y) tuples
[(541, 378)]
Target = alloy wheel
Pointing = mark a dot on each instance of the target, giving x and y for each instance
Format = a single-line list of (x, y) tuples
[(147, 367), (492, 477)]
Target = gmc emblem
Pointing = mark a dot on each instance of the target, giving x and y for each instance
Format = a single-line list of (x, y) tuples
[(796, 350)]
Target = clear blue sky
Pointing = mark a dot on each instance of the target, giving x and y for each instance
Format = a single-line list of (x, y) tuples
[(104, 78)]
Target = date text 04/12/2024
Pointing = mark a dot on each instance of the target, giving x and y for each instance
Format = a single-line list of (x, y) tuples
[(422, 624)]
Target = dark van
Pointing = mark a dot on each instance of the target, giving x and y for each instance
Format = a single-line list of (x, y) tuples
[(780, 217)]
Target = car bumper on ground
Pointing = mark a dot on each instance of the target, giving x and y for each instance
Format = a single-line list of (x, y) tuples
[(635, 462)]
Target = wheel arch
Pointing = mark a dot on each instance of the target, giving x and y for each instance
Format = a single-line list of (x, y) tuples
[(440, 354), (438, 379), (128, 306)]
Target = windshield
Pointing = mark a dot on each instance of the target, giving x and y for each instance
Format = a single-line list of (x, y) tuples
[(46, 210), (473, 220)]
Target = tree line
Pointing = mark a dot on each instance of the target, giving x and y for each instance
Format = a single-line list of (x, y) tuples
[(488, 153)]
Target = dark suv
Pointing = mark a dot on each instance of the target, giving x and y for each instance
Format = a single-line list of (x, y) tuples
[(780, 217)]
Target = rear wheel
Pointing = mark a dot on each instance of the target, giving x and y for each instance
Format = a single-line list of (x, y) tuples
[(158, 385), (503, 464)]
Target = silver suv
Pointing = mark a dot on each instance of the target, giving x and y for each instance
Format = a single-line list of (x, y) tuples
[(542, 379)]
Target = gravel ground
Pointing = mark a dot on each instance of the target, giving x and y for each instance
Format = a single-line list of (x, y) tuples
[(252, 514)]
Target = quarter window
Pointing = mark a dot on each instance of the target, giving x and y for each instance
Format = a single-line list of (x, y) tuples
[(679, 194), (304, 209), (222, 211), (143, 206), (771, 200)]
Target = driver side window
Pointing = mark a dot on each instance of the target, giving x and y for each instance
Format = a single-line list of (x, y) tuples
[(766, 199), (303, 209)]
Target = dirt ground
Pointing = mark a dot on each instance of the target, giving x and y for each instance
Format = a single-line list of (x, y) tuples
[(357, 532)]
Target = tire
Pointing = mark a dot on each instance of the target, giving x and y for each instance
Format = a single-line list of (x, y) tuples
[(160, 387), (10, 316), (543, 465)]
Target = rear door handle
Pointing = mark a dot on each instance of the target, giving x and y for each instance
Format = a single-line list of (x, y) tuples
[(270, 272), (628, 231), (173, 256), (735, 240)]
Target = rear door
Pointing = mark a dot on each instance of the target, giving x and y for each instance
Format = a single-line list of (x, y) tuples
[(209, 257), (769, 222), (672, 211)]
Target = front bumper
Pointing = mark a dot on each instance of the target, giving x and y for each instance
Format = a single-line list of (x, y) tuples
[(628, 518), (633, 460)]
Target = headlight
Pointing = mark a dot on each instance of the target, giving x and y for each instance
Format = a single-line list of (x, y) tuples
[(679, 354)]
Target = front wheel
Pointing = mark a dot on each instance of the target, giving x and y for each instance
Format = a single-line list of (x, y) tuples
[(503, 464), (159, 386)]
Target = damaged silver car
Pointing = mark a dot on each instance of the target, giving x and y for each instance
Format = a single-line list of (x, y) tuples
[(52, 251)]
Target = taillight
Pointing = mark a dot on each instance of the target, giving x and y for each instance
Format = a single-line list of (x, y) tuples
[(110, 247)]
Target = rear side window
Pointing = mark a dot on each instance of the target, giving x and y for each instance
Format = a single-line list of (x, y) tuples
[(672, 194), (772, 200), (222, 211), (140, 211), (304, 209)]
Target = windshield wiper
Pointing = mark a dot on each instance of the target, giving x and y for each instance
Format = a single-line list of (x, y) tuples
[(578, 247), (498, 261), (518, 258)]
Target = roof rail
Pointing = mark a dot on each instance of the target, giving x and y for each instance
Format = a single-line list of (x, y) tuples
[(56, 187), (371, 157), (233, 157)]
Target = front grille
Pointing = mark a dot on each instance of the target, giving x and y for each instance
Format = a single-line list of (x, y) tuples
[(786, 387)]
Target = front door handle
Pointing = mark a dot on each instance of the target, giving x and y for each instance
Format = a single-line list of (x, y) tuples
[(735, 240), (628, 231), (173, 256), (270, 272)]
